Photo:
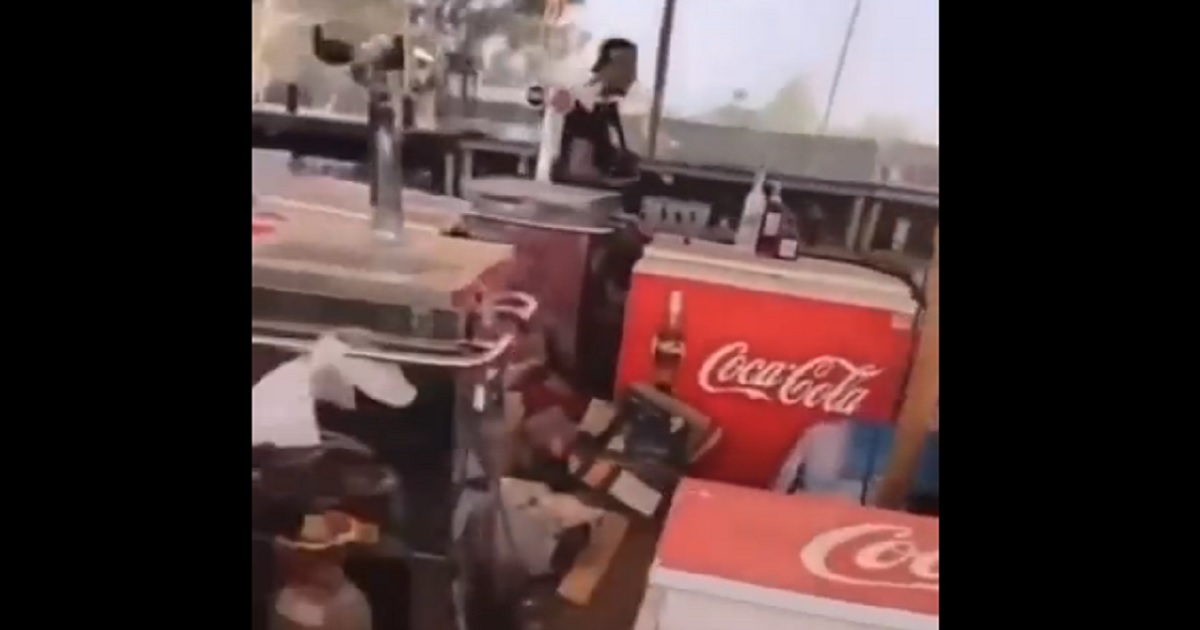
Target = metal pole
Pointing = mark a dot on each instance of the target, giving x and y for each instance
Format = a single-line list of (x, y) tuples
[(386, 129), (841, 65), (661, 63), (919, 408), (389, 91)]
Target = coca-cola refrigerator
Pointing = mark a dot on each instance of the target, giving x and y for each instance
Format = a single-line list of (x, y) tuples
[(765, 348), (734, 557)]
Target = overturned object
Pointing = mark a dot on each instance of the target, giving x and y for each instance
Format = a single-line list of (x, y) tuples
[(507, 537), (642, 446)]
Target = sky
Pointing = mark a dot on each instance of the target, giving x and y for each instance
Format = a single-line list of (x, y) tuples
[(758, 45)]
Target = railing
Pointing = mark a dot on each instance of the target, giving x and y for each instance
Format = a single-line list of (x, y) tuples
[(856, 217)]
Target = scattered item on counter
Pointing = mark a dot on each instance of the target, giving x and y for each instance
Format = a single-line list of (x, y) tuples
[(536, 519), (551, 430), (282, 403), (592, 563), (510, 540), (281, 407), (598, 418), (328, 530), (652, 432), (633, 451), (615, 477), (701, 433), (339, 475), (260, 229), (639, 447), (658, 414)]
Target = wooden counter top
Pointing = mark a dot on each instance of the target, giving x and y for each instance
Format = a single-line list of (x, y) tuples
[(334, 254)]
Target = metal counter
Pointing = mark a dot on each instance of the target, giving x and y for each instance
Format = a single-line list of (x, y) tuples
[(322, 270)]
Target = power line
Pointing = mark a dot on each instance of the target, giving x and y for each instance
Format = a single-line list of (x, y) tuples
[(841, 65)]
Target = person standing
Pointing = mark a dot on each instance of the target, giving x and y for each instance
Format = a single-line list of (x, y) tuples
[(593, 151)]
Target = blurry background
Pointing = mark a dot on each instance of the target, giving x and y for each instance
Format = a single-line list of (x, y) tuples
[(749, 82)]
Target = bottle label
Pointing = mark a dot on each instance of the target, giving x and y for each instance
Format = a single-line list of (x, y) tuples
[(789, 248), (771, 224), (669, 347)]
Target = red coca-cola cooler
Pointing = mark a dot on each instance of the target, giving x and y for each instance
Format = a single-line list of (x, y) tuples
[(769, 347), (733, 557)]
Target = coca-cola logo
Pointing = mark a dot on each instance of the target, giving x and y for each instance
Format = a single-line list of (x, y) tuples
[(872, 554), (827, 382)]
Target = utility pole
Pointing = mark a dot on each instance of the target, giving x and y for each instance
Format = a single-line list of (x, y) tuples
[(661, 64), (841, 65)]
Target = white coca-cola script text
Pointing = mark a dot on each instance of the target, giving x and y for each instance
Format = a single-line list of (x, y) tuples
[(873, 548), (829, 383)]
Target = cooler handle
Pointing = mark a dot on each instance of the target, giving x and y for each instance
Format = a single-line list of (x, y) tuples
[(516, 304), (491, 351)]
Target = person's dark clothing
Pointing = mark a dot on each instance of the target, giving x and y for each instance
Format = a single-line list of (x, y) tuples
[(595, 126)]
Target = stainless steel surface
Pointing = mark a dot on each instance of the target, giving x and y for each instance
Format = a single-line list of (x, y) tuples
[(493, 351), (276, 177), (336, 256), (547, 193), (538, 217), (387, 136), (387, 182), (543, 205), (518, 306)]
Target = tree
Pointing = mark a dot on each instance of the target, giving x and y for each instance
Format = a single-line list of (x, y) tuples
[(280, 45), (792, 110), (471, 22)]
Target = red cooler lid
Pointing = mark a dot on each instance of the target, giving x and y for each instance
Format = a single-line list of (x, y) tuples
[(821, 556)]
